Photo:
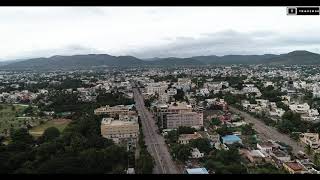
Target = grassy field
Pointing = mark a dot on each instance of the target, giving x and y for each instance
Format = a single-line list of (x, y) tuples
[(58, 123), (11, 117)]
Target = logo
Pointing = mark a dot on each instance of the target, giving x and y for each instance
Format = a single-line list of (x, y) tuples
[(303, 10), (291, 11)]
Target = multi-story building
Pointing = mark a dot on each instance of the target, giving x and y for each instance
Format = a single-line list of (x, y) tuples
[(189, 119), (156, 88), (120, 131), (114, 110), (179, 114)]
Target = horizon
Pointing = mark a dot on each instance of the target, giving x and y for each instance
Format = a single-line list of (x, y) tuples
[(150, 59), (148, 32)]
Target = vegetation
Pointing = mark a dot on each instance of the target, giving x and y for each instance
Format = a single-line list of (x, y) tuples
[(226, 162), (79, 149), (145, 162), (181, 152)]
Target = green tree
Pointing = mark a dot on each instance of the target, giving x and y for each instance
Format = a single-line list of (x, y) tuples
[(308, 149), (203, 144), (181, 152), (50, 133), (21, 135), (247, 129), (186, 130), (179, 96), (215, 122)]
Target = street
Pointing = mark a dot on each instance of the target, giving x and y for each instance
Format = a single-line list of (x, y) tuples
[(155, 142), (268, 132)]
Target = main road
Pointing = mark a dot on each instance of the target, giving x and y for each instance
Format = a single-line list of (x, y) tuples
[(267, 132), (155, 142)]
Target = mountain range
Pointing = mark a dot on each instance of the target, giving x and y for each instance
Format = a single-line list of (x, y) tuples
[(105, 60)]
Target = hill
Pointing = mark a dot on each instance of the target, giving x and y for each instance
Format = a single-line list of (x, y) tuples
[(105, 60)]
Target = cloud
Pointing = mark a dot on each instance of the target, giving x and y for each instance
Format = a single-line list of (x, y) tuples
[(148, 32), (68, 50), (231, 42)]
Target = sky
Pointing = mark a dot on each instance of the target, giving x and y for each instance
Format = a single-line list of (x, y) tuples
[(147, 32)]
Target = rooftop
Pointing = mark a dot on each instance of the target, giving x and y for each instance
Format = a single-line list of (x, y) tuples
[(294, 166), (189, 136), (197, 171), (232, 138)]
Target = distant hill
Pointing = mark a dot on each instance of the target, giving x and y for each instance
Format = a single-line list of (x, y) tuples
[(234, 59), (73, 62), (175, 62), (295, 57), (105, 60)]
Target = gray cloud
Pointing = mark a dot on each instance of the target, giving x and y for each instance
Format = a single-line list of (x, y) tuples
[(232, 42)]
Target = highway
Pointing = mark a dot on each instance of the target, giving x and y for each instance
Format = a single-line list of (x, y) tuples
[(268, 132), (155, 142)]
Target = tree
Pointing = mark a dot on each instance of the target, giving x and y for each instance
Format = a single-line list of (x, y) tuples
[(179, 96), (145, 163), (215, 122), (247, 129), (181, 152), (21, 135), (172, 136), (226, 162), (28, 110), (308, 149), (224, 130), (203, 144), (186, 130), (50, 134)]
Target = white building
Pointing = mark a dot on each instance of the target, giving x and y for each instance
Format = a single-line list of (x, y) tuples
[(195, 154), (156, 88), (311, 139), (120, 131), (300, 108)]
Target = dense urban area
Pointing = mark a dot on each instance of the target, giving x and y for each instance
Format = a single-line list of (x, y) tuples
[(218, 119)]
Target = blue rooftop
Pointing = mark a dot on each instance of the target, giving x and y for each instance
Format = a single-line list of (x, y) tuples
[(197, 171), (230, 139)]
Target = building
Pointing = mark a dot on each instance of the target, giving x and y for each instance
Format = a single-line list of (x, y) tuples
[(189, 119), (197, 171), (280, 156), (230, 139), (186, 138), (311, 139), (195, 154), (267, 147), (254, 156), (114, 111), (178, 114), (300, 108), (156, 88), (294, 167), (120, 131)]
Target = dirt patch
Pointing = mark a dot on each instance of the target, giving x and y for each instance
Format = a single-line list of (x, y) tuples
[(61, 121)]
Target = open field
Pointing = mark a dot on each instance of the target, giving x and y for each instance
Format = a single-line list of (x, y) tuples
[(11, 117), (58, 123)]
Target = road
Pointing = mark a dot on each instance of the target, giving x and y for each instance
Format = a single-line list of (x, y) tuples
[(268, 132), (155, 142)]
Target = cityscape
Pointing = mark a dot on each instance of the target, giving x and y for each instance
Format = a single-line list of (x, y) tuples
[(200, 113)]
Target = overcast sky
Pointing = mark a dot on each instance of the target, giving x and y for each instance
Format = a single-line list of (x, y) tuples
[(147, 32)]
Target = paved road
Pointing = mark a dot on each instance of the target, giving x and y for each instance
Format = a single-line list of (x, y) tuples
[(155, 142), (267, 132)]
